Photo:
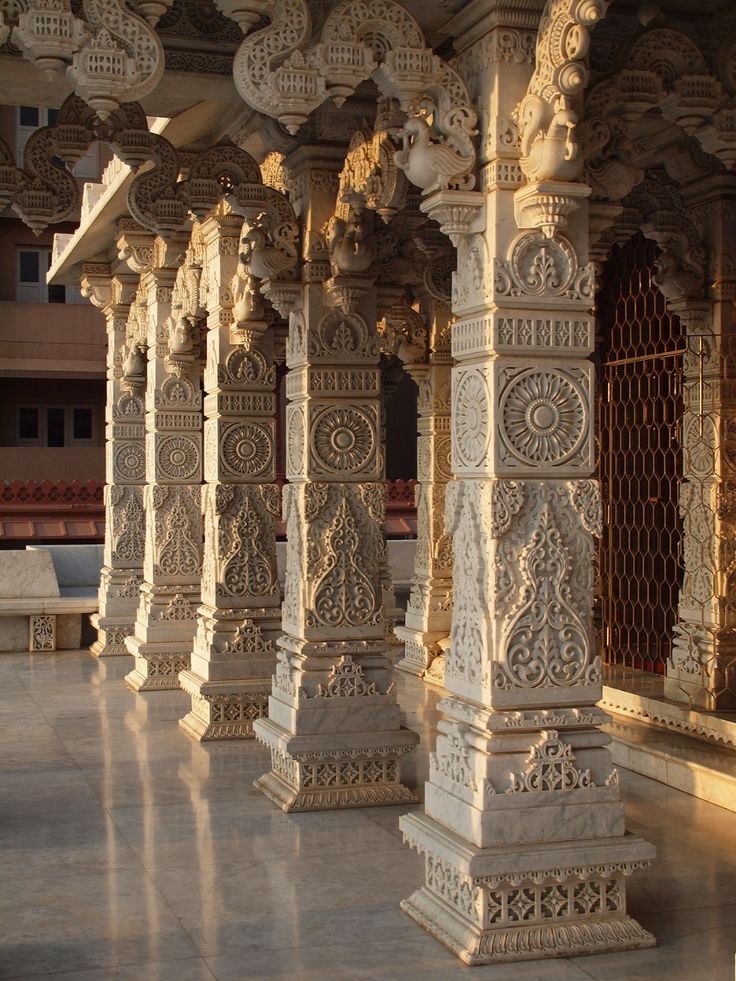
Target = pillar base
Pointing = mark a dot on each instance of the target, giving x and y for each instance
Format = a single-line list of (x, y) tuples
[(157, 666), (111, 636), (334, 771), (490, 905), (423, 656), (223, 709)]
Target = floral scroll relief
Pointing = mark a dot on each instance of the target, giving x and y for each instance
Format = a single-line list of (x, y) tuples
[(344, 593), (42, 632), (249, 566), (543, 594), (550, 766), (541, 267), (128, 525), (452, 758), (347, 680), (177, 526), (464, 504)]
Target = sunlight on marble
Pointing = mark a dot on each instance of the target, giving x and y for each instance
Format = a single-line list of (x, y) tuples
[(132, 853)]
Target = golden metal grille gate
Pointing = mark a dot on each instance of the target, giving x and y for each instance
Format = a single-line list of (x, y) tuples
[(639, 411)]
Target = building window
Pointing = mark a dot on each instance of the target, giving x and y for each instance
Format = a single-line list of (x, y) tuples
[(82, 424), (57, 425), (32, 266), (29, 430), (31, 287)]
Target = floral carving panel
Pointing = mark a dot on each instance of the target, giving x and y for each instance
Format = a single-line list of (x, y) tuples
[(344, 440), (543, 421)]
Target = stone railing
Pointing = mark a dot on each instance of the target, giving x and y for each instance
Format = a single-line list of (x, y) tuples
[(31, 493), (115, 167), (32, 510), (401, 511), (91, 194), (61, 240)]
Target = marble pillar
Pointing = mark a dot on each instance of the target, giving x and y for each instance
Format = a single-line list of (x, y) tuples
[(428, 613), (702, 668), (165, 620), (522, 832), (334, 728), (125, 470), (240, 616)]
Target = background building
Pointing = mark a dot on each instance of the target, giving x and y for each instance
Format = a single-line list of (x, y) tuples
[(52, 374)]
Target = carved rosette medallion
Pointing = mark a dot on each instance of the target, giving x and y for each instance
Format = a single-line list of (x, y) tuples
[(424, 459), (294, 441), (130, 461), (177, 458), (543, 417), (443, 458), (343, 440), (246, 449), (470, 417)]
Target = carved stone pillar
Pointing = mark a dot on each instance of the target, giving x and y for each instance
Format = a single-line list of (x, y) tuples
[(334, 727), (429, 609), (523, 828), (240, 617), (125, 470), (702, 669), (169, 595)]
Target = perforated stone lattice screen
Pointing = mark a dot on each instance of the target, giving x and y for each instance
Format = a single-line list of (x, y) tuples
[(639, 461)]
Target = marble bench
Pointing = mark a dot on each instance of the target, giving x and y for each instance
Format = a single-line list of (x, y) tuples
[(37, 612)]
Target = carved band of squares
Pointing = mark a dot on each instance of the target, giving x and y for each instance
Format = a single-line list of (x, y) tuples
[(543, 417), (130, 461), (178, 457), (343, 439), (246, 449), (471, 419)]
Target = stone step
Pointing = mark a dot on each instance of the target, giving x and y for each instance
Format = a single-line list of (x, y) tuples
[(694, 766)]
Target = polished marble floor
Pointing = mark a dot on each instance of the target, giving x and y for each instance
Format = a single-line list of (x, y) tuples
[(130, 853)]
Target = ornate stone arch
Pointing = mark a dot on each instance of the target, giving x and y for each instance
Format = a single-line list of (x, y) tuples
[(661, 69), (112, 54), (280, 73)]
